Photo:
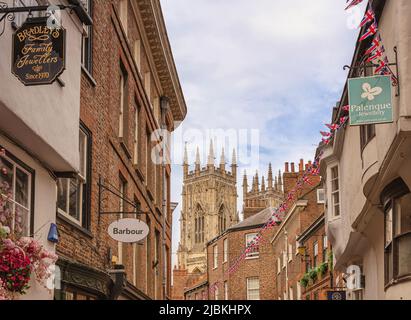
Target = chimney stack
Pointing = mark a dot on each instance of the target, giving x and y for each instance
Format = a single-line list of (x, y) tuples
[(301, 165), (287, 167), (292, 167)]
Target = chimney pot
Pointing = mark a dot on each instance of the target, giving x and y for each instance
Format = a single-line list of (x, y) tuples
[(301, 166), (292, 167), (287, 167)]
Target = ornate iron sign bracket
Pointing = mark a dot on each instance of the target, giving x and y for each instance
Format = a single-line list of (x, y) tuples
[(110, 189), (373, 65), (8, 13)]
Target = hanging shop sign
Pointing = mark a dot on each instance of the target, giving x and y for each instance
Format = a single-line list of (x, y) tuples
[(38, 52), (336, 295), (370, 100), (128, 230)]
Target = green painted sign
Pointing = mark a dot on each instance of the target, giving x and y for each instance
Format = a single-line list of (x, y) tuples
[(370, 100)]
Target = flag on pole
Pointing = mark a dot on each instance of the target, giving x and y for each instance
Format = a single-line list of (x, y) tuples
[(368, 17), (353, 4), (370, 32)]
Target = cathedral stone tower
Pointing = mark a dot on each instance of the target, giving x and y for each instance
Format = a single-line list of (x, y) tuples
[(259, 198), (209, 207)]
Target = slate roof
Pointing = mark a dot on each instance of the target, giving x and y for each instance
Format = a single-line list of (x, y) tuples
[(255, 220)]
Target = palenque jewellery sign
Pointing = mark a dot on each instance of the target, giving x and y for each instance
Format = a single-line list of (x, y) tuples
[(370, 100)]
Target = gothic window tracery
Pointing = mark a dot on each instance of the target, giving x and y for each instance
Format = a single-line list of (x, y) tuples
[(199, 225), (222, 221)]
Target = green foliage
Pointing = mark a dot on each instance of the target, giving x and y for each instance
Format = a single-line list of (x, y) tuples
[(305, 280)]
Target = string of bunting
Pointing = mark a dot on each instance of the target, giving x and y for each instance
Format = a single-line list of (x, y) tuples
[(376, 52)]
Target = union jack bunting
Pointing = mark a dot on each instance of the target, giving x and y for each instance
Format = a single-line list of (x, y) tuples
[(325, 134), (343, 120), (353, 3), (376, 42), (346, 108), (382, 65), (373, 29), (315, 171), (377, 54), (332, 127), (368, 17), (326, 141), (307, 180)]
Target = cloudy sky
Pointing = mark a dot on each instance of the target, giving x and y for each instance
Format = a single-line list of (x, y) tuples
[(267, 65)]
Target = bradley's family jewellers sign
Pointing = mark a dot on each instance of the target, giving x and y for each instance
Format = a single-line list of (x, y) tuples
[(38, 52)]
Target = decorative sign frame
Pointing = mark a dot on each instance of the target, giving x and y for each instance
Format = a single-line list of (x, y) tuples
[(39, 52)]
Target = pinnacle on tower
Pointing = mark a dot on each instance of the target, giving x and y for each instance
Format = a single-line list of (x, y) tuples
[(270, 177), (210, 161), (185, 161), (262, 184), (276, 184), (256, 183), (198, 163), (245, 184), (234, 164), (222, 161), (234, 159)]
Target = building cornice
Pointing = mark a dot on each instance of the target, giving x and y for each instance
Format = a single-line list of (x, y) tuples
[(155, 30)]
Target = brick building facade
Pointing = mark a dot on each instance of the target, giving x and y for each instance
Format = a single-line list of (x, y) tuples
[(300, 245), (254, 278), (129, 89)]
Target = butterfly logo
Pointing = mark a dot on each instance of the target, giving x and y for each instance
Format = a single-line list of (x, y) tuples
[(369, 92)]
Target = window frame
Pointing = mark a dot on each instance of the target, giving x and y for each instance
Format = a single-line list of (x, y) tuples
[(255, 253), (335, 192), (84, 201), (225, 250), (215, 256), (248, 280), (320, 190), (27, 169), (394, 191), (87, 46)]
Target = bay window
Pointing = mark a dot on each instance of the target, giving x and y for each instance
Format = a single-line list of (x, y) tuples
[(397, 230)]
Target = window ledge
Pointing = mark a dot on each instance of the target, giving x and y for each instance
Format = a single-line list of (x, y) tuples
[(124, 147), (252, 258), (138, 171), (89, 76), (66, 220)]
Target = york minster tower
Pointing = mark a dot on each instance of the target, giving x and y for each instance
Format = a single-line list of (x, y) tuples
[(209, 207)]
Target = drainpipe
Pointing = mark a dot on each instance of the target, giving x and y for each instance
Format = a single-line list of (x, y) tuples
[(164, 105)]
